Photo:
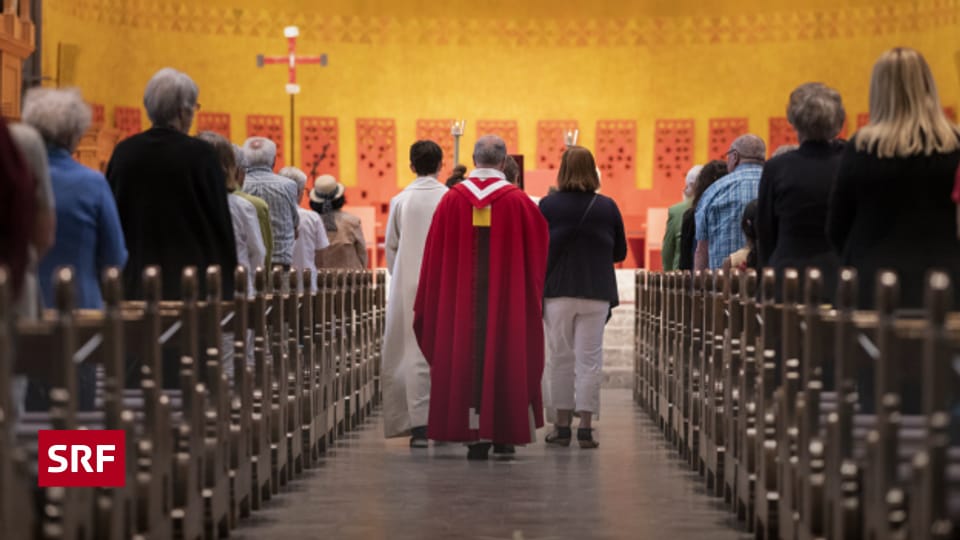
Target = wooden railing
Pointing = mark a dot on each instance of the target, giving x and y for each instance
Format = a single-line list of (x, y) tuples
[(809, 420), (205, 452)]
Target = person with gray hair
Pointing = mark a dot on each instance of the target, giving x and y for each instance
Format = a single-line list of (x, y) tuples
[(718, 213), (263, 211), (795, 188), (171, 195), (311, 234), (88, 233), (280, 194), (39, 235), (670, 253), (171, 99), (479, 309)]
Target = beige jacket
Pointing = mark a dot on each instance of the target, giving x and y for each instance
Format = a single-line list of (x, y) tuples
[(347, 247)]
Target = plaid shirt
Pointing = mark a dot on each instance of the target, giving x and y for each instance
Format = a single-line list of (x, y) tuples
[(281, 196), (721, 208)]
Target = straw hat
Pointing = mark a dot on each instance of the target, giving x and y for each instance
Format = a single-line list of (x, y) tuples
[(326, 188)]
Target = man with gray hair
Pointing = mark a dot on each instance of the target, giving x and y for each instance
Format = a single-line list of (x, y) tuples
[(311, 234), (280, 194), (171, 195), (478, 311), (719, 211)]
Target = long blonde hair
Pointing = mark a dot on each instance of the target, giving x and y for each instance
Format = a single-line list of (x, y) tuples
[(906, 118)]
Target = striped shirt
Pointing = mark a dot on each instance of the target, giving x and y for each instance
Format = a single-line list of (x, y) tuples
[(281, 196), (720, 209)]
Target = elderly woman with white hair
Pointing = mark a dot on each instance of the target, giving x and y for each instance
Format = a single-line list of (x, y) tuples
[(172, 198), (88, 233), (795, 187), (311, 234)]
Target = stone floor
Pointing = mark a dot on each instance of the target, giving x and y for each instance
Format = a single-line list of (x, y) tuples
[(632, 487)]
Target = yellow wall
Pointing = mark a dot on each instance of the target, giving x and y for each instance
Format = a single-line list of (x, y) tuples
[(523, 60)]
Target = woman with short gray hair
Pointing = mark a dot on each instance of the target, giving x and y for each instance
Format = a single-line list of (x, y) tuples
[(171, 195), (795, 187), (88, 233)]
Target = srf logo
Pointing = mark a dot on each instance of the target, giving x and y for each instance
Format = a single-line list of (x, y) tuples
[(82, 458)]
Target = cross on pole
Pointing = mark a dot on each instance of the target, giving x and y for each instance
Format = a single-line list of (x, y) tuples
[(291, 60)]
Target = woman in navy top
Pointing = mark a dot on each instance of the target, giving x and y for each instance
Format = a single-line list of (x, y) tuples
[(586, 239), (89, 237)]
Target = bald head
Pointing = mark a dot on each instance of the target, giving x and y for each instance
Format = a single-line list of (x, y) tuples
[(490, 152)]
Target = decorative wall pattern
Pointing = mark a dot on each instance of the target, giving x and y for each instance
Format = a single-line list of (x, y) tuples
[(376, 155), (271, 127), (319, 149), (438, 131), (506, 129), (127, 120), (880, 19), (781, 133), (615, 148), (723, 131), (550, 142), (673, 155), (215, 122), (99, 115)]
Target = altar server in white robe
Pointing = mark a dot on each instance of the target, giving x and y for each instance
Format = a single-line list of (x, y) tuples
[(406, 374)]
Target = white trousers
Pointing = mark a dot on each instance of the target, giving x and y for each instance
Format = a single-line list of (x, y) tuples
[(574, 329)]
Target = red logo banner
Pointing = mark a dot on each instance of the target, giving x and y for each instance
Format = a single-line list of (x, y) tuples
[(81, 458)]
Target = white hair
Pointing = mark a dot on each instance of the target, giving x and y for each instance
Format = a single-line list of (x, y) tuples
[(168, 94), (34, 152), (60, 116), (240, 156), (260, 152), (297, 176)]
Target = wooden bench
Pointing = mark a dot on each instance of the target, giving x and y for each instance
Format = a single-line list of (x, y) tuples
[(206, 453), (805, 417)]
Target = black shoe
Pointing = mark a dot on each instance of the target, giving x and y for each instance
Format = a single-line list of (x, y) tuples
[(585, 438), (504, 449), (478, 451), (418, 437), (560, 436)]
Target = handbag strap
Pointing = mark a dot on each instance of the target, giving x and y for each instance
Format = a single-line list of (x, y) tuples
[(573, 238)]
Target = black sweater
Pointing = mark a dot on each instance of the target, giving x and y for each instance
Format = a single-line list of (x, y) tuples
[(895, 214), (580, 264), (792, 210)]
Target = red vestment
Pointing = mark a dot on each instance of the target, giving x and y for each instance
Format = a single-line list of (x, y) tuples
[(487, 238)]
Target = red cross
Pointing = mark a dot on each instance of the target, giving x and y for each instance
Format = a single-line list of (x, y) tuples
[(291, 59)]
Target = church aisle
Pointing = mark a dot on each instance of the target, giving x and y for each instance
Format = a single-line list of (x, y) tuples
[(369, 488)]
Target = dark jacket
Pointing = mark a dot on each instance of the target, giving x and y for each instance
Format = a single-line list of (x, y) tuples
[(688, 242), (792, 211), (580, 264), (895, 214), (172, 201)]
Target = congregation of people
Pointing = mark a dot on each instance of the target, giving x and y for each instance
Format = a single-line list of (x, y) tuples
[(167, 199), (497, 310), (879, 201)]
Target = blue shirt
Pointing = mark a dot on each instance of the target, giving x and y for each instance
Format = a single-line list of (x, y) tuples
[(89, 237), (720, 209), (280, 193)]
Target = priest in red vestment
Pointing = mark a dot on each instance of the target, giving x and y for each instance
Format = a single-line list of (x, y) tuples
[(478, 311)]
